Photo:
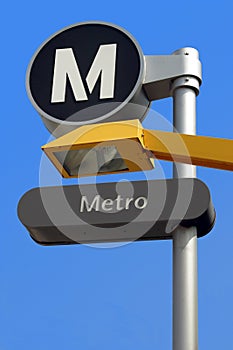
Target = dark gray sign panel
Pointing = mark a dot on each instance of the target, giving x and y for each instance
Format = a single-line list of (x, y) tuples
[(115, 212)]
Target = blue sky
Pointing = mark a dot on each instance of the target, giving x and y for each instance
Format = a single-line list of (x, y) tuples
[(80, 297)]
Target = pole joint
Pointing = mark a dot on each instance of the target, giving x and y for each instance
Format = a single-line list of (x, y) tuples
[(163, 74), (187, 81)]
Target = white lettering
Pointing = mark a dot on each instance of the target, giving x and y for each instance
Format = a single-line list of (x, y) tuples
[(127, 203), (137, 204), (118, 202), (65, 66), (104, 64), (95, 202), (107, 204)]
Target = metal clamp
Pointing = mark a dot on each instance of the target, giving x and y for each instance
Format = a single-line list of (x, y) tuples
[(162, 73)]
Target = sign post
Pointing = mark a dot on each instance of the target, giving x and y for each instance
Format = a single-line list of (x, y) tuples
[(185, 304), (95, 73)]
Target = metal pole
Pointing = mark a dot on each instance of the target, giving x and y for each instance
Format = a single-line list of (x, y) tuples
[(185, 307)]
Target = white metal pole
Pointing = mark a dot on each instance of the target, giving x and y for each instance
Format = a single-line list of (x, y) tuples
[(185, 307)]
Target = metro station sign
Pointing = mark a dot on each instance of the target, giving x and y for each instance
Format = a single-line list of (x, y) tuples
[(113, 212), (89, 72), (89, 82)]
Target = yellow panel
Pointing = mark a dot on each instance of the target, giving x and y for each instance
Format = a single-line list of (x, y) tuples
[(133, 142), (96, 133), (198, 150)]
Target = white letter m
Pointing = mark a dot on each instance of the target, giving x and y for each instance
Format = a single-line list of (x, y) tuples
[(65, 66)]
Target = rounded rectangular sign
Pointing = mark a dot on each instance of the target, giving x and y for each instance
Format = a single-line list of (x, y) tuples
[(115, 212)]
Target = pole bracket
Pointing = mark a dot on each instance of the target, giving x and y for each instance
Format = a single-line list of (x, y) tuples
[(162, 73)]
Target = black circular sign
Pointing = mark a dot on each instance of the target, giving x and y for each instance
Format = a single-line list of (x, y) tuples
[(85, 73)]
